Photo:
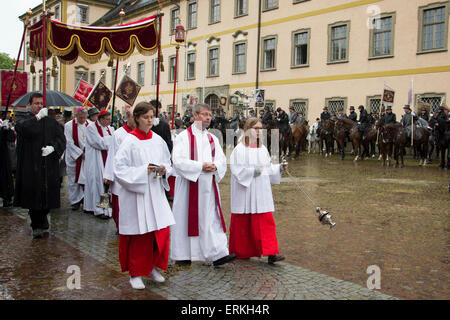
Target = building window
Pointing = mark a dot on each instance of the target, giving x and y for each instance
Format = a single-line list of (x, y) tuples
[(338, 42), (374, 104), (336, 103), (214, 15), (33, 84), (154, 71), (241, 8), (269, 54), (213, 62), (27, 54), (80, 75), (40, 81), (213, 101), (82, 14), (300, 105), (270, 104), (433, 27), (174, 19), (270, 4), (113, 77), (55, 82), (192, 15), (57, 16), (382, 37), (140, 73), (47, 81), (300, 54), (432, 100), (190, 72), (92, 77), (172, 68), (239, 57)]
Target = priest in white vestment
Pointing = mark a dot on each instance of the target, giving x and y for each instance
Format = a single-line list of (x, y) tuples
[(98, 140), (75, 132), (252, 227), (200, 164), (145, 214), (117, 138)]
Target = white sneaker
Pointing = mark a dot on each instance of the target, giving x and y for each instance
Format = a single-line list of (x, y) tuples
[(137, 283), (157, 276)]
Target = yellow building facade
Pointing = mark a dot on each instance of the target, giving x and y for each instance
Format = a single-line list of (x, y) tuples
[(310, 53)]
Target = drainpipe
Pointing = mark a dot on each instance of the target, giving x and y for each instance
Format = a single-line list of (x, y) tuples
[(258, 46)]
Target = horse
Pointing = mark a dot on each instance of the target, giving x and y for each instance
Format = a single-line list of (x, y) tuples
[(441, 127), (326, 134), (392, 137), (342, 130), (298, 138), (269, 125), (313, 139), (420, 142)]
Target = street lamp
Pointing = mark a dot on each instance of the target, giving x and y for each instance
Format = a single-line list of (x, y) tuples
[(179, 38)]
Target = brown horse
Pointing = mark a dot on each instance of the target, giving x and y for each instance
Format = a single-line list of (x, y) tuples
[(298, 138), (326, 134), (392, 139), (342, 130), (420, 142)]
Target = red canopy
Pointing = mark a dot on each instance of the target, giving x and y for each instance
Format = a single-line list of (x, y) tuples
[(68, 41)]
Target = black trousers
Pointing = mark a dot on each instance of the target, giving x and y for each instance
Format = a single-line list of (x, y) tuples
[(39, 218)]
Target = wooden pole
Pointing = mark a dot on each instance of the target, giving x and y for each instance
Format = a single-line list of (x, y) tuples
[(44, 55), (159, 63), (175, 85)]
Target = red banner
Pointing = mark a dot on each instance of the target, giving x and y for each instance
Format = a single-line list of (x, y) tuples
[(19, 88), (82, 92)]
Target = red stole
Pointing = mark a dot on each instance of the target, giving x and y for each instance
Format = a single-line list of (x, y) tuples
[(100, 132), (77, 143), (127, 128), (193, 188), (141, 135)]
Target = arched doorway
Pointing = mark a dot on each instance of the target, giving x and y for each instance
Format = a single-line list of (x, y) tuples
[(213, 101)]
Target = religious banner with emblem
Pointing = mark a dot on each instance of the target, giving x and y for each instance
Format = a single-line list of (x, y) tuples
[(128, 90), (100, 96), (82, 92), (18, 89), (388, 96)]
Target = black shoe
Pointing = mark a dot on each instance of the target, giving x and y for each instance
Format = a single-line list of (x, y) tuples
[(38, 233), (183, 262), (88, 212), (275, 258), (224, 260), (76, 206), (103, 217), (7, 203)]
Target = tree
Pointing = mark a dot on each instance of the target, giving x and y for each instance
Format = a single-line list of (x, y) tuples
[(6, 62)]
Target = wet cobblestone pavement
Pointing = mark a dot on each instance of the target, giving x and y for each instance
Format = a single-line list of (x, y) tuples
[(396, 219)]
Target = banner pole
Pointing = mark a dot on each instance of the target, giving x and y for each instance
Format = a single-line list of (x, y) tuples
[(159, 63)]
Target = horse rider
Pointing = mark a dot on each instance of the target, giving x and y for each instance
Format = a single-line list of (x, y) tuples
[(353, 115), (333, 117), (424, 114), (389, 116), (323, 116), (364, 121), (301, 119), (407, 120), (187, 118), (267, 116), (236, 117), (283, 122), (341, 114), (292, 116)]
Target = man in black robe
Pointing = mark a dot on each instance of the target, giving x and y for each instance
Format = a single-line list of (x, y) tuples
[(40, 144), (7, 137)]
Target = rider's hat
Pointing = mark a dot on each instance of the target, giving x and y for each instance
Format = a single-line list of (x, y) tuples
[(325, 108), (361, 107), (406, 106), (352, 108), (279, 109), (388, 108)]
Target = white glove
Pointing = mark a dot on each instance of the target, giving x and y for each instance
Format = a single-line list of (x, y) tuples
[(155, 122), (47, 150), (257, 172), (42, 113)]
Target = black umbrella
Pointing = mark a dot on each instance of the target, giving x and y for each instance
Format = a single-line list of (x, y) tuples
[(53, 98)]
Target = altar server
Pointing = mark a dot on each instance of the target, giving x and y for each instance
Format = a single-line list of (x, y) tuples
[(117, 139), (98, 140), (252, 227), (75, 132), (200, 164), (145, 214)]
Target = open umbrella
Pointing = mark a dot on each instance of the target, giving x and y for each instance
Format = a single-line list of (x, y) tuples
[(53, 98)]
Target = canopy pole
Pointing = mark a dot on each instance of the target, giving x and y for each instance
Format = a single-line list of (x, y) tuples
[(159, 63), (17, 63), (115, 85), (175, 86)]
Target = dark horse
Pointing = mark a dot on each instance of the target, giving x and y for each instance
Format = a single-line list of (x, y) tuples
[(441, 127), (420, 142), (342, 130), (298, 138), (392, 138), (326, 134), (269, 125)]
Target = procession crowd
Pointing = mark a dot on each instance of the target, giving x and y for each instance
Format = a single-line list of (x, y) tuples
[(163, 187)]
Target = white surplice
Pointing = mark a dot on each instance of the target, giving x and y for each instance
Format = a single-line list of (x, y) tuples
[(251, 194), (142, 200), (93, 167), (211, 244), (117, 138), (72, 153)]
